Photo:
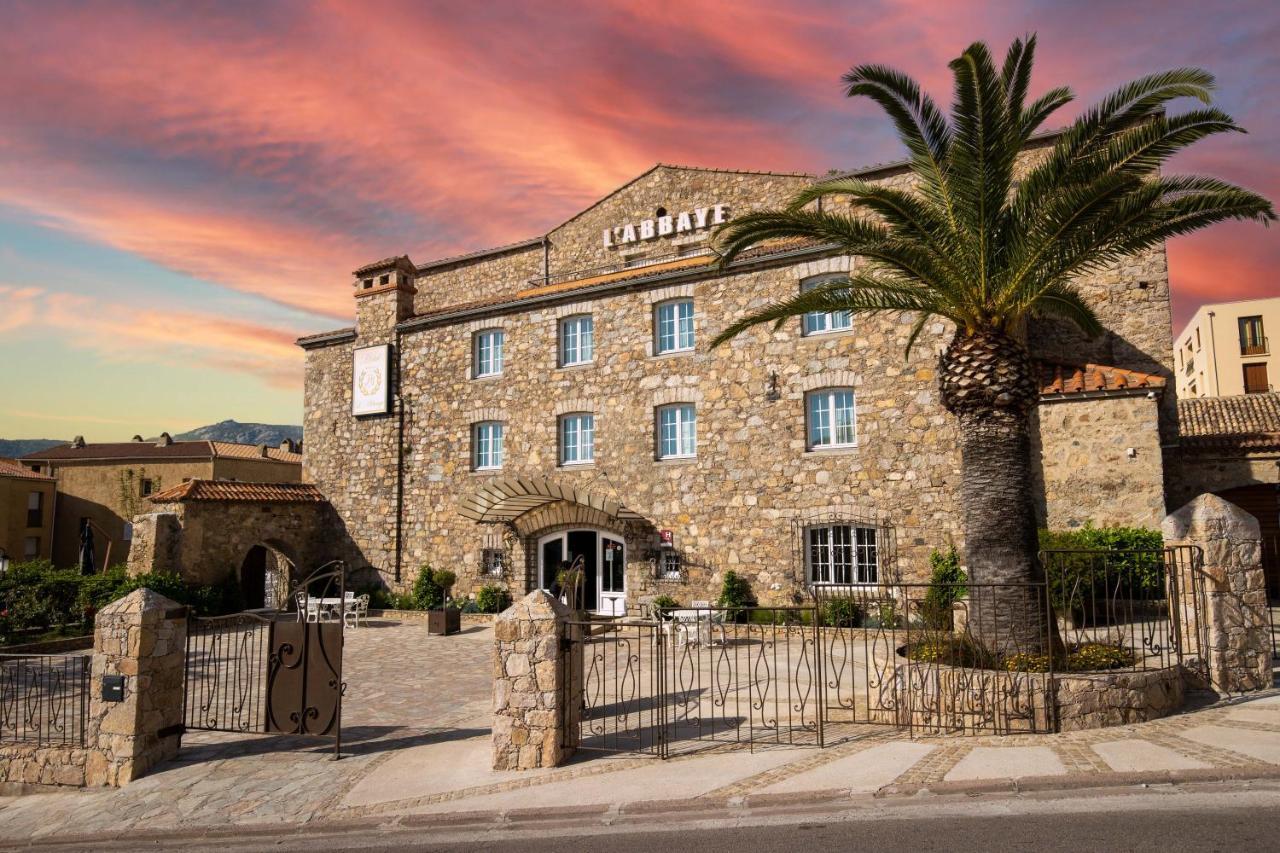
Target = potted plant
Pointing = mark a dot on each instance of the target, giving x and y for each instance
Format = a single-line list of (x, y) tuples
[(431, 592)]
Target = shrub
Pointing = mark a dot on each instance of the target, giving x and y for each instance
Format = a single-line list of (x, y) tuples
[(445, 579), (663, 602), (1076, 581), (492, 598), (427, 593), (736, 595), (842, 613), (951, 650), (947, 585), (1087, 657)]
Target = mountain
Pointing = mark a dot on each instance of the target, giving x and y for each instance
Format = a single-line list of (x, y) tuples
[(271, 434), (12, 448)]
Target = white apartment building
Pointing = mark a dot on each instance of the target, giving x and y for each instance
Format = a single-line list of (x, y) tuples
[(1224, 349)]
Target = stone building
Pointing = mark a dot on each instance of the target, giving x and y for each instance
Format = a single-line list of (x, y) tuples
[(27, 500), (106, 484), (501, 412)]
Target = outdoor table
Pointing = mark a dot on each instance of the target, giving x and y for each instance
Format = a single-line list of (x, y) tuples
[(700, 619)]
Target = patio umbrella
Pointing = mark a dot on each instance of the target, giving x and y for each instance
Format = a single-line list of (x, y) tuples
[(86, 549)]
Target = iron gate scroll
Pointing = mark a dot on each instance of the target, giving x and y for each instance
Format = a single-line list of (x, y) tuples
[(894, 654), (271, 673)]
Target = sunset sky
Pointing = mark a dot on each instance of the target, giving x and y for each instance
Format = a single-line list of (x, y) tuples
[(185, 187)]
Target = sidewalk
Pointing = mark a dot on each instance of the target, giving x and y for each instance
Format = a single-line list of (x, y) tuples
[(439, 775)]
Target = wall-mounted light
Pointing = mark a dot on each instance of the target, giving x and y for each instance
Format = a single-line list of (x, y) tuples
[(771, 393)]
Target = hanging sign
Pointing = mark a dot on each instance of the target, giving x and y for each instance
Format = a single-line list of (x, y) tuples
[(370, 388)]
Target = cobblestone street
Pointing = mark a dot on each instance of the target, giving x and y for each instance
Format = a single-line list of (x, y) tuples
[(416, 740)]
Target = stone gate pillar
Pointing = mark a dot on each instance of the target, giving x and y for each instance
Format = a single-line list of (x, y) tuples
[(1236, 644), (141, 638), (536, 687)]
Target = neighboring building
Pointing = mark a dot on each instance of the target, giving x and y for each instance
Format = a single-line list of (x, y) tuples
[(108, 484), (500, 412), (27, 500), (1231, 446), (1224, 350)]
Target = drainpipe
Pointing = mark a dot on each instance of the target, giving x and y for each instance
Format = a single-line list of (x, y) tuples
[(1213, 353), (399, 460), (546, 260)]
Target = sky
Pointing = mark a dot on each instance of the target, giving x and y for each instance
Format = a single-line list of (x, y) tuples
[(186, 187)]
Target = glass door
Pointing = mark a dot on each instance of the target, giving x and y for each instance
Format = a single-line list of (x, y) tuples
[(613, 577)]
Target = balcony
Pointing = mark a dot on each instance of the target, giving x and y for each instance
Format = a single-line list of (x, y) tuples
[(1256, 347)]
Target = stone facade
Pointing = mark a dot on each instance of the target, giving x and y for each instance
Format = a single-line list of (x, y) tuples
[(1235, 637), (141, 637), (531, 714), (1100, 461), (398, 481)]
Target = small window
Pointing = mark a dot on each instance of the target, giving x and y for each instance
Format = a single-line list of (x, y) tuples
[(1252, 340), (1197, 338), (577, 340), (832, 418), (673, 326), (147, 487), (677, 431), (842, 554), (577, 439), (368, 283), (486, 445), (821, 322), (669, 565), (35, 509), (31, 548), (493, 562), (386, 279), (488, 353)]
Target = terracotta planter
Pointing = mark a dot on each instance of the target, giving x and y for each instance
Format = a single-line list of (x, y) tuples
[(444, 622)]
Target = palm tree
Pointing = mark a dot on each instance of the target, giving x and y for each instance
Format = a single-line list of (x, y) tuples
[(987, 248)]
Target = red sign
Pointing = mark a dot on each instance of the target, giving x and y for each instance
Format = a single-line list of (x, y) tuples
[(666, 538)]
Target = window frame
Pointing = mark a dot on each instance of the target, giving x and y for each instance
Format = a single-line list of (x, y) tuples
[(807, 330), (35, 514), (561, 432), (830, 395), (681, 452), (674, 306), (28, 551), (476, 429), (561, 337), (1246, 325), (495, 333), (861, 572)]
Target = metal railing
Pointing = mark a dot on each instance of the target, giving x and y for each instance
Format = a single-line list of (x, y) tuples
[(44, 699), (1262, 347)]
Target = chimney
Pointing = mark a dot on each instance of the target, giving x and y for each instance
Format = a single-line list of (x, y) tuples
[(262, 450), (137, 438), (164, 440), (288, 446), (78, 441)]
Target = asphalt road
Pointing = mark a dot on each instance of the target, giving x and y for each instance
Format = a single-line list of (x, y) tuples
[(1233, 817)]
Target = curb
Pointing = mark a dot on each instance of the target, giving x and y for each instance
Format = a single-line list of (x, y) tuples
[(643, 812)]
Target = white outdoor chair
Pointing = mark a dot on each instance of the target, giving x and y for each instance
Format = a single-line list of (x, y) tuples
[(301, 599), (357, 610), (316, 611), (709, 624)]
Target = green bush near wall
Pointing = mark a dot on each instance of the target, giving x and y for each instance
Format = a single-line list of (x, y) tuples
[(1132, 567), (36, 595)]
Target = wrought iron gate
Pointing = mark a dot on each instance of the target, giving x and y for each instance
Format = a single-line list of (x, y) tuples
[(928, 658), (271, 673)]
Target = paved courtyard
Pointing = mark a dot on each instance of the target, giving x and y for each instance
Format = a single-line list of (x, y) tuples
[(416, 726)]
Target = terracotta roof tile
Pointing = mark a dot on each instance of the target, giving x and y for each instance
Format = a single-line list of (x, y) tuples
[(255, 451), (1057, 379), (232, 490), (1248, 421), (16, 470), (152, 450)]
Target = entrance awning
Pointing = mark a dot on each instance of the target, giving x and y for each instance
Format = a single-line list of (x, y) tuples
[(507, 500)]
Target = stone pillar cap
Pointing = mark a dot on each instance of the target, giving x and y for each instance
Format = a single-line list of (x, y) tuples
[(1210, 511)]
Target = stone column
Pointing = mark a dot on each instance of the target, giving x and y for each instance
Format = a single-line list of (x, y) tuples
[(141, 637), (1236, 643), (535, 703)]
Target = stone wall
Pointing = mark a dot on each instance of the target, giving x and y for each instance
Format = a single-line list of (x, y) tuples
[(1196, 470), (1099, 700), (1235, 640), (532, 712), (1100, 461), (141, 637)]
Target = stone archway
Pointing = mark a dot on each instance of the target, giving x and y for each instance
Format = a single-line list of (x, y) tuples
[(267, 573)]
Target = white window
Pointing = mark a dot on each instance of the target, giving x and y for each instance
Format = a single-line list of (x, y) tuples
[(577, 439), (488, 353), (31, 547), (577, 340), (486, 445), (677, 431), (818, 322), (832, 419), (673, 326), (842, 554)]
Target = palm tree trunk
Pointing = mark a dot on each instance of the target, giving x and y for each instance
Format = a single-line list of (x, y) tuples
[(987, 383)]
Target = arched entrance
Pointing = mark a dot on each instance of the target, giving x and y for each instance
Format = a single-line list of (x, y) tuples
[(603, 556), (266, 573)]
